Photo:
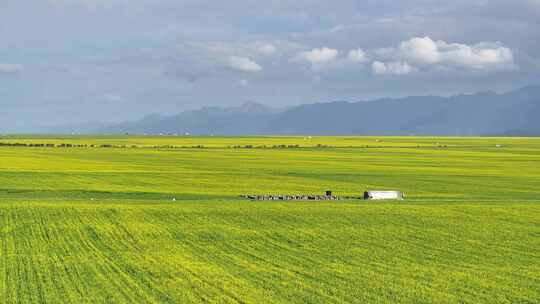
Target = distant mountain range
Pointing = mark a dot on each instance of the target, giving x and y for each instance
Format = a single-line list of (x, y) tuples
[(515, 113)]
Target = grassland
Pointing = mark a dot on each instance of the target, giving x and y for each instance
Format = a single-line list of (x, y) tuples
[(98, 225)]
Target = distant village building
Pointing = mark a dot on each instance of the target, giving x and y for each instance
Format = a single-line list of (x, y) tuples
[(384, 195)]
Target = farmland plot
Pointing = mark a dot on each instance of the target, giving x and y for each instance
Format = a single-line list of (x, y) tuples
[(99, 225)]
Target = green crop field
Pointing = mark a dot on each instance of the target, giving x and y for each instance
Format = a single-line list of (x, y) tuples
[(93, 220)]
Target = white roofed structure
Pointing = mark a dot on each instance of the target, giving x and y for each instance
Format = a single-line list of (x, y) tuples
[(384, 195)]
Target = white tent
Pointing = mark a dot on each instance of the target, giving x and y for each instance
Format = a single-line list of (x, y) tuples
[(384, 195)]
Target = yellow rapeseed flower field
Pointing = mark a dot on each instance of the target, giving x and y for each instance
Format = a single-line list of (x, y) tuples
[(127, 219)]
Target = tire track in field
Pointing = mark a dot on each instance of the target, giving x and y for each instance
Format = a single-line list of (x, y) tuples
[(7, 240), (286, 264), (209, 283), (26, 253), (20, 278), (132, 245), (107, 266), (195, 251), (191, 275), (237, 263), (109, 252), (100, 258), (35, 270), (241, 255)]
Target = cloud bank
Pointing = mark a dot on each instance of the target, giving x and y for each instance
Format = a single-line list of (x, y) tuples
[(480, 56), (166, 56)]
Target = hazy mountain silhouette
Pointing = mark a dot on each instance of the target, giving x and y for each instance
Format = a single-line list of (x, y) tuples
[(487, 113)]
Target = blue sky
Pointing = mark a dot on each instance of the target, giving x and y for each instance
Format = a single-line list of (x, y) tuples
[(71, 61)]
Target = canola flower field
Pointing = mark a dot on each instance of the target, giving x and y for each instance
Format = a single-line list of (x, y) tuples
[(159, 219)]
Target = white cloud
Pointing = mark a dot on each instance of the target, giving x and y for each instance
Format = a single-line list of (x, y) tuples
[(10, 68), (244, 64), (395, 68), (266, 49), (357, 55), (418, 53), (425, 51), (479, 56), (319, 56)]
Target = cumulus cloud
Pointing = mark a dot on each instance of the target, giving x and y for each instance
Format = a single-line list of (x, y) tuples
[(357, 55), (244, 64), (9, 68), (392, 68), (418, 53), (319, 56), (422, 50), (481, 56)]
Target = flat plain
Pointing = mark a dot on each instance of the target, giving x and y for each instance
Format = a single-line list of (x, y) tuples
[(127, 219)]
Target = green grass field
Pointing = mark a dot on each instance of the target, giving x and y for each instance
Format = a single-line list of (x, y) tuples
[(98, 225)]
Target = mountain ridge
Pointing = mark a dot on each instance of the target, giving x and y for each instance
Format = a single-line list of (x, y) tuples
[(479, 114)]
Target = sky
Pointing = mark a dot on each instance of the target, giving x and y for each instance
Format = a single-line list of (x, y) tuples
[(74, 61)]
